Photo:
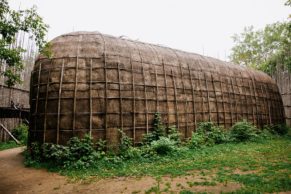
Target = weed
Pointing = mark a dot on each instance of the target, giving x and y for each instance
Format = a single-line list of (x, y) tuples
[(243, 131), (203, 183), (21, 133), (174, 135), (269, 158), (207, 134), (159, 130), (8, 145), (278, 129), (163, 146)]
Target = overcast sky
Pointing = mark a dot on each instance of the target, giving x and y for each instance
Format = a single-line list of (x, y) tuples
[(199, 26)]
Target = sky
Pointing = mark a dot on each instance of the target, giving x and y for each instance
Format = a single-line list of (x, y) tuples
[(198, 26)]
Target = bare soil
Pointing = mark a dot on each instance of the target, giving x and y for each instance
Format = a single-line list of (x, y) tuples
[(16, 178)]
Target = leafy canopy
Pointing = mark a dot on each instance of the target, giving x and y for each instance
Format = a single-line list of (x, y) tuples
[(264, 49), (11, 23)]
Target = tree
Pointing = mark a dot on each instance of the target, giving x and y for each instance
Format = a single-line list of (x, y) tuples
[(288, 3), (264, 49), (11, 23)]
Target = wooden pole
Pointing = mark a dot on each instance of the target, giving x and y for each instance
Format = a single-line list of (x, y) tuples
[(9, 133)]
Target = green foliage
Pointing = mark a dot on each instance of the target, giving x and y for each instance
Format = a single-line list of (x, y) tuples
[(174, 135), (197, 141), (165, 156), (55, 153), (207, 134), (11, 23), (21, 133), (211, 132), (33, 153), (278, 129), (80, 148), (243, 131), (262, 167), (125, 142), (158, 130), (163, 146), (263, 49), (78, 154), (126, 149), (8, 145), (160, 142), (46, 50), (101, 145)]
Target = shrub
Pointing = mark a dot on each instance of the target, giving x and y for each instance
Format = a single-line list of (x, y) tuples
[(125, 142), (213, 134), (278, 129), (132, 153), (174, 135), (80, 148), (243, 131), (101, 146), (264, 134), (78, 154), (21, 133), (158, 131), (55, 153), (163, 146), (33, 154), (197, 141), (126, 149)]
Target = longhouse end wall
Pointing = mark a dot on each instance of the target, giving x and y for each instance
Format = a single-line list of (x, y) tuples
[(282, 77)]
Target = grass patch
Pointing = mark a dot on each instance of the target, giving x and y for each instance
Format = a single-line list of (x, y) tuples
[(8, 145), (269, 160), (20, 133), (254, 160)]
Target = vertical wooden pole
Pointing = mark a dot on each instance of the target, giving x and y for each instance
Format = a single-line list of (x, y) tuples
[(76, 86), (234, 98), (175, 98), (240, 96), (45, 106), (133, 94), (254, 116), (265, 103), (216, 103), (183, 86), (75, 95), (120, 96), (256, 101), (91, 100), (245, 96), (223, 102), (166, 90), (145, 93), (157, 91), (146, 101), (37, 97), (193, 97), (268, 103), (59, 102), (106, 88), (202, 97), (208, 100), (201, 91)]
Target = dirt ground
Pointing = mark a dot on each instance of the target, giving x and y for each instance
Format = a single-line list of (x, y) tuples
[(16, 179)]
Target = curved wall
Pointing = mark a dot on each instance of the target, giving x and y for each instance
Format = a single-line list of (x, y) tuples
[(96, 83)]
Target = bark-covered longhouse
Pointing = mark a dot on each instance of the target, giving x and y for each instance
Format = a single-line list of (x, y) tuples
[(95, 83)]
